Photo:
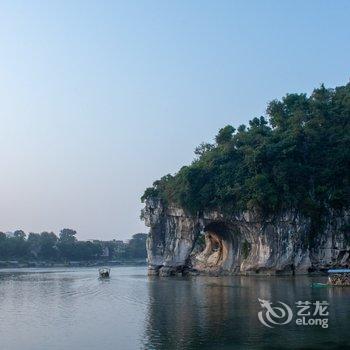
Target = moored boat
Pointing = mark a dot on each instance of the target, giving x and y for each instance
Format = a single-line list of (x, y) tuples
[(339, 277), (319, 285)]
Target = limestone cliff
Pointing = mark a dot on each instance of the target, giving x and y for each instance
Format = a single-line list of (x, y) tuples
[(217, 243)]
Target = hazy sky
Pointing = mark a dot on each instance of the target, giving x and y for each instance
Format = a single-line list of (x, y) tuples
[(99, 99)]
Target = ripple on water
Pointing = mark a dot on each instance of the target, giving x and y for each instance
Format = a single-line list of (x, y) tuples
[(74, 309)]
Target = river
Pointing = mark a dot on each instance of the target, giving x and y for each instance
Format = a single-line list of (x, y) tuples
[(71, 309)]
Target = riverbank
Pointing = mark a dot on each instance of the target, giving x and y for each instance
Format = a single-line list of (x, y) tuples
[(26, 264)]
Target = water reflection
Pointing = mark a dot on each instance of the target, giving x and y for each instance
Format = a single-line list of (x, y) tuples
[(73, 309), (220, 313)]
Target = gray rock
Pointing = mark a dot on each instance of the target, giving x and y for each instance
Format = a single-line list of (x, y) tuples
[(217, 243)]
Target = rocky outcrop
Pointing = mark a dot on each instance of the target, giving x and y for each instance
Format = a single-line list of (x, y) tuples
[(217, 243)]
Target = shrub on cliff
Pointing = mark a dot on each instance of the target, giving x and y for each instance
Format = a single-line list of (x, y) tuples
[(296, 157)]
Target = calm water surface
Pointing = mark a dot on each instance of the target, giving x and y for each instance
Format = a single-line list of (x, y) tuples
[(48, 309)]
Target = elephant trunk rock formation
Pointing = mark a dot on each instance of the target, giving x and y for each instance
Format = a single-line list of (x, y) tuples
[(243, 243)]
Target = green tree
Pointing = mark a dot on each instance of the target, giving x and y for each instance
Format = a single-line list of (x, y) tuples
[(34, 244), (68, 235), (203, 148), (19, 234), (225, 135), (48, 249), (297, 156), (136, 248)]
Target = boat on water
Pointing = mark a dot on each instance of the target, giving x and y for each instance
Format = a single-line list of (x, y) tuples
[(319, 285), (104, 272), (339, 277)]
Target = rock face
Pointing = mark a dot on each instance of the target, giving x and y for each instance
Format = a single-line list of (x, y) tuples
[(218, 243)]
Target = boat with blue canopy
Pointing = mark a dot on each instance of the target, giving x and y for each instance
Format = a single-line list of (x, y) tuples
[(339, 277), (339, 271)]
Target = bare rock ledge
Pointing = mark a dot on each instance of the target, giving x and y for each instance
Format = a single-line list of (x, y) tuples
[(242, 243)]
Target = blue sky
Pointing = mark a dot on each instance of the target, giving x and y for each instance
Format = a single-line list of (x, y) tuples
[(100, 98)]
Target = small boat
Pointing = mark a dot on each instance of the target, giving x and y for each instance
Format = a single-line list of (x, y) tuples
[(104, 272), (339, 277), (319, 285)]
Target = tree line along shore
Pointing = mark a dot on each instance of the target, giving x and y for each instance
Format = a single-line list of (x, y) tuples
[(18, 249)]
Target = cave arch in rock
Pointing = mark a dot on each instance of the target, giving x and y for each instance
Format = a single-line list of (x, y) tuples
[(218, 244)]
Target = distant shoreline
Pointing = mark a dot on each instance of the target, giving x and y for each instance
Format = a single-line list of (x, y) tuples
[(39, 264)]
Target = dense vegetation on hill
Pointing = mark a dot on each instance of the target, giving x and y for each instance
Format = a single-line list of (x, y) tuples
[(298, 156), (46, 246)]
